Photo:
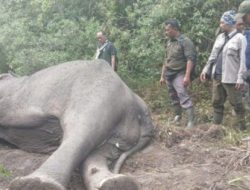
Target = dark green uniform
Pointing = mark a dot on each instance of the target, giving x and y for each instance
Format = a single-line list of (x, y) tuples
[(107, 52), (178, 51)]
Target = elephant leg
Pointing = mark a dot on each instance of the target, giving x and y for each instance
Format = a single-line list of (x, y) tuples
[(80, 136), (52, 175), (97, 175), (56, 171)]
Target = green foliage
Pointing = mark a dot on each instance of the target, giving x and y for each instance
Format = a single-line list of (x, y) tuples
[(43, 33), (39, 33), (4, 172)]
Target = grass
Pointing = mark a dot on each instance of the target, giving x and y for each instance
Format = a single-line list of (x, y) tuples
[(239, 182), (4, 172)]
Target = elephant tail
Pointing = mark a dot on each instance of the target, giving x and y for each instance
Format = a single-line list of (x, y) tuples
[(143, 142)]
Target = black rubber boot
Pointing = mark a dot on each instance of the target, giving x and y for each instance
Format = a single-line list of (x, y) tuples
[(240, 122), (217, 118)]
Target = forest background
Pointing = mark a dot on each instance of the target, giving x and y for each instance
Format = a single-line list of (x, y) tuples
[(36, 34)]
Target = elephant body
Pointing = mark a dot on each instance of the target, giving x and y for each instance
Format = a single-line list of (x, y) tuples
[(84, 113)]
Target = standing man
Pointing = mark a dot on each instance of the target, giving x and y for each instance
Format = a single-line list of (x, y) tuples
[(227, 62), (106, 50), (176, 70), (244, 14)]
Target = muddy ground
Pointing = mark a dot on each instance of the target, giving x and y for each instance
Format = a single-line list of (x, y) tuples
[(176, 160)]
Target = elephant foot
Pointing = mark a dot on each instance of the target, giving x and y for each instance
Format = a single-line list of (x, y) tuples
[(119, 182), (35, 183)]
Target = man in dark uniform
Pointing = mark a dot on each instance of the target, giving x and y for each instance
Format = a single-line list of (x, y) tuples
[(106, 50), (176, 70)]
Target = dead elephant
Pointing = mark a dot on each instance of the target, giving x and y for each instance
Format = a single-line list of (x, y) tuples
[(84, 110)]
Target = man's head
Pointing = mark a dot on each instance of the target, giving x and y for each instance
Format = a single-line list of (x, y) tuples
[(228, 21), (101, 36), (240, 26), (244, 11), (172, 28)]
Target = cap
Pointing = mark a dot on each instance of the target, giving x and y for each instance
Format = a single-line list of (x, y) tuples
[(244, 8)]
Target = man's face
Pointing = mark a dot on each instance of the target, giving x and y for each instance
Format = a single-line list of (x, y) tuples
[(240, 26), (170, 31), (246, 19), (224, 27), (101, 38)]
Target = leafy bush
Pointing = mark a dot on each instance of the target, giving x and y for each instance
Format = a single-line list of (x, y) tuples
[(36, 34)]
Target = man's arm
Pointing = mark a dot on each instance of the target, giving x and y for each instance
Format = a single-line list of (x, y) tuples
[(189, 53), (187, 77), (113, 62), (207, 69), (163, 71), (240, 81), (113, 56)]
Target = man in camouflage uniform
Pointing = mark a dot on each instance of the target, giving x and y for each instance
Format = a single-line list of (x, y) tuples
[(176, 70)]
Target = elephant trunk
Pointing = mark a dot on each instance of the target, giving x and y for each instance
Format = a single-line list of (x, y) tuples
[(143, 141), (96, 175)]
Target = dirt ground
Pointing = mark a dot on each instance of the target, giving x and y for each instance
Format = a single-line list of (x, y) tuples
[(176, 160)]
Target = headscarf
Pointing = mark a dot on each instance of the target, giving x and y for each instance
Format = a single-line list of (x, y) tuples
[(229, 17)]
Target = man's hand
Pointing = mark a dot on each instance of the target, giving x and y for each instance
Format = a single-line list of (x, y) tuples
[(162, 81), (239, 86), (203, 77), (186, 81)]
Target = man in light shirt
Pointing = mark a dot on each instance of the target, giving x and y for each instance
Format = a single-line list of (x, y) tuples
[(227, 65)]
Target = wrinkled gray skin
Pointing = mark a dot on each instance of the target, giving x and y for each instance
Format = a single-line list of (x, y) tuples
[(84, 111)]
